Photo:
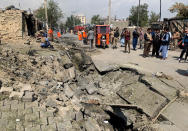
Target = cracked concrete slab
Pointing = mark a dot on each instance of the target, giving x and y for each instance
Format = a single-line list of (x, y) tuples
[(138, 94), (162, 88), (177, 113)]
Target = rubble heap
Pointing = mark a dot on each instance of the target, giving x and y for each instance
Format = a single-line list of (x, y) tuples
[(63, 89)]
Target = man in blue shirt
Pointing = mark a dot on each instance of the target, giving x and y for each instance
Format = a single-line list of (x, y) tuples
[(135, 38), (165, 41), (185, 46)]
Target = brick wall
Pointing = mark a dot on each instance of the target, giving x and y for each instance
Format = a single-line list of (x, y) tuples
[(11, 24)]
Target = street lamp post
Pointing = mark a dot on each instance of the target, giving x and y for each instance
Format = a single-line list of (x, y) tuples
[(138, 14), (46, 13), (160, 9), (109, 11)]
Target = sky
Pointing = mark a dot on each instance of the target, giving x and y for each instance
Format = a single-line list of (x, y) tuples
[(120, 8)]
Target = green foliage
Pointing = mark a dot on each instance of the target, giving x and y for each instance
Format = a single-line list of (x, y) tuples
[(133, 17), (62, 26), (71, 22), (54, 14), (96, 20), (154, 17), (181, 10)]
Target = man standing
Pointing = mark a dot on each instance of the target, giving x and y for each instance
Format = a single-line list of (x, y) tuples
[(116, 38), (84, 34), (50, 34), (90, 37), (165, 41), (122, 39), (185, 46), (127, 35), (148, 41), (176, 37), (111, 36), (80, 35), (141, 38), (135, 38), (156, 43)]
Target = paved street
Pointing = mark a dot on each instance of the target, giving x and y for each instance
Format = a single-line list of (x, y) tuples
[(171, 66), (27, 116)]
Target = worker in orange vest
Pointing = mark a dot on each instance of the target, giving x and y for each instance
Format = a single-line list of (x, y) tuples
[(84, 34), (58, 34), (79, 35), (50, 32)]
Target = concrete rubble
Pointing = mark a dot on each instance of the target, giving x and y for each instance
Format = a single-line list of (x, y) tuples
[(65, 90)]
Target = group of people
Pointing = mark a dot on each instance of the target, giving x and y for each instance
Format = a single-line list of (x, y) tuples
[(87, 37), (159, 40), (47, 37)]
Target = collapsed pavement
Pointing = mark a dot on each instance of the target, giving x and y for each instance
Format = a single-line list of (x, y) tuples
[(63, 89)]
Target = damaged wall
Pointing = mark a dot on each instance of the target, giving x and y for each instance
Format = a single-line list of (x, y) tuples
[(176, 24), (17, 24), (11, 24)]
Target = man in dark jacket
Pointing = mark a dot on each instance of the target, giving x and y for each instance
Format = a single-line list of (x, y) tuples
[(116, 38), (156, 43), (165, 41), (185, 46), (135, 38)]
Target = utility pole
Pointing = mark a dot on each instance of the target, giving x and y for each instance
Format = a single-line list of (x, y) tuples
[(46, 14), (109, 11), (160, 9), (138, 14)]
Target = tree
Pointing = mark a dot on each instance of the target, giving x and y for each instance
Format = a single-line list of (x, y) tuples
[(71, 22), (62, 26), (96, 20), (180, 9), (54, 14), (154, 17), (143, 12)]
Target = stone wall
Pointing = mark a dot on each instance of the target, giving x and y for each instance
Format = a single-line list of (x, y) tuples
[(11, 24), (119, 24)]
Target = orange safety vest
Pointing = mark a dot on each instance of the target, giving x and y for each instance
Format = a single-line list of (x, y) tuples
[(50, 31), (84, 34), (79, 35), (99, 39), (58, 34)]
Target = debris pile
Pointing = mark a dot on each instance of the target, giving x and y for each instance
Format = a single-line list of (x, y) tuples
[(63, 89)]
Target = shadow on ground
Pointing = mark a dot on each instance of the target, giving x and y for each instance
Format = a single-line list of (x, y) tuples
[(182, 72)]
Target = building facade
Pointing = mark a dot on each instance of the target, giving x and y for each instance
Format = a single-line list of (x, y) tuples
[(82, 18)]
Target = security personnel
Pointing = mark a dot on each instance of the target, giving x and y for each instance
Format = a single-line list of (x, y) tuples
[(84, 34)]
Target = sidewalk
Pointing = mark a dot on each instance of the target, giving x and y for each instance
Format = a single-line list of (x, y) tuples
[(171, 66)]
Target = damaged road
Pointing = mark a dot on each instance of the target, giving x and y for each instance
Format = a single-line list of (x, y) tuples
[(65, 89)]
